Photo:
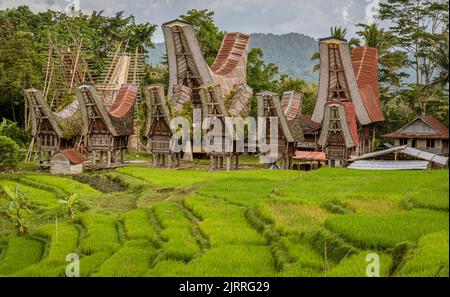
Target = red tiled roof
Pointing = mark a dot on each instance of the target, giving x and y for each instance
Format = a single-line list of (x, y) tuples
[(309, 125), (232, 48), (73, 155), (435, 124), (421, 136), (124, 100), (365, 66), (442, 131), (291, 104), (304, 155)]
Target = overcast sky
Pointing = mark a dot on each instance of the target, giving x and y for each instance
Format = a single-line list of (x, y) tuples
[(310, 17)]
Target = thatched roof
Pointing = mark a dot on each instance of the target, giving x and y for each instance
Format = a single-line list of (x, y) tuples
[(66, 123)]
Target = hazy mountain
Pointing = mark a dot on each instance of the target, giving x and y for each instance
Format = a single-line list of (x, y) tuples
[(291, 52)]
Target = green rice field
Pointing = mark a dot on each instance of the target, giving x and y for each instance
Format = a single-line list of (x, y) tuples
[(165, 222)]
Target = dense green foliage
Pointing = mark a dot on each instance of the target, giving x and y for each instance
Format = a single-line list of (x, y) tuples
[(9, 153), (24, 39)]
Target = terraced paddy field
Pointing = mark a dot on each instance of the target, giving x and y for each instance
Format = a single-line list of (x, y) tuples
[(139, 221)]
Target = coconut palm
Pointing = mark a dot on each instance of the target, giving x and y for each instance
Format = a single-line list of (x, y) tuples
[(390, 60)]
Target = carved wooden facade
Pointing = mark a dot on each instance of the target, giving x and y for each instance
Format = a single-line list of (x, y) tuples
[(288, 132), (348, 104)]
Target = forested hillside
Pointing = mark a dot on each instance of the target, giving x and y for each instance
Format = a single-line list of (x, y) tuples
[(290, 52)]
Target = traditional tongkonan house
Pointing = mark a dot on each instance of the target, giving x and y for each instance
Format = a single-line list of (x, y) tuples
[(157, 128), (194, 87), (348, 104), (106, 131), (289, 130)]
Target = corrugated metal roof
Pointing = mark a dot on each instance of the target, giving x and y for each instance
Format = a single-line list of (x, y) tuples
[(124, 100), (413, 152), (291, 103), (365, 66), (389, 165), (233, 46), (425, 155), (73, 155)]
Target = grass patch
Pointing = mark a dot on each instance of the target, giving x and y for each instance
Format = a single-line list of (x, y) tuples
[(177, 232), (292, 216), (133, 259), (386, 230), (166, 178), (69, 185), (20, 253), (138, 226), (63, 240), (430, 258), (356, 265), (37, 197)]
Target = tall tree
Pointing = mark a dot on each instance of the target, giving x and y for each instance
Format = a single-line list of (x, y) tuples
[(209, 36), (390, 61), (24, 43), (418, 26)]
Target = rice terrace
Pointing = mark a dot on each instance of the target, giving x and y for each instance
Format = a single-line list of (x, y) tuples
[(159, 145), (245, 223)]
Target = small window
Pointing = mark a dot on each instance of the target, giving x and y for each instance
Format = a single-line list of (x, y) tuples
[(430, 143), (414, 143), (403, 141)]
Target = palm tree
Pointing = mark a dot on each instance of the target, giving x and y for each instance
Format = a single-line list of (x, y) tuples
[(336, 32), (390, 61)]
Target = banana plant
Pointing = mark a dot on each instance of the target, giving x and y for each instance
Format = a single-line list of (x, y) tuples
[(70, 201), (16, 208)]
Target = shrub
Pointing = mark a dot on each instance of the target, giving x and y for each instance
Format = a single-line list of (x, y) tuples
[(11, 130), (9, 153)]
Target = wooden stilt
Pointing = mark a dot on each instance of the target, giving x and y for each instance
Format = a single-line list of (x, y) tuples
[(228, 163), (211, 162), (236, 162), (169, 161), (94, 158), (108, 159), (122, 156)]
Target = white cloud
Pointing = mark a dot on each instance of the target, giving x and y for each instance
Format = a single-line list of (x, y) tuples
[(312, 18)]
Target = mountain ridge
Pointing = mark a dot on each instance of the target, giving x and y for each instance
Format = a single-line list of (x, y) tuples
[(291, 52)]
